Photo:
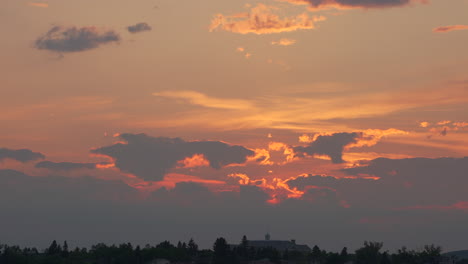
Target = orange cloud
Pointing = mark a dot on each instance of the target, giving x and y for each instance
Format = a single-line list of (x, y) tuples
[(105, 165), (295, 112), (278, 189), (261, 19), (287, 151), (444, 29), (305, 138), (445, 122), (424, 124), (460, 124), (38, 4), (197, 160), (284, 42)]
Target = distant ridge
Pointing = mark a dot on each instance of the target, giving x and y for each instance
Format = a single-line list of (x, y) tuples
[(460, 254)]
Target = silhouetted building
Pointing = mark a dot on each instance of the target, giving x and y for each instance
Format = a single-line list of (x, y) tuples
[(280, 245)]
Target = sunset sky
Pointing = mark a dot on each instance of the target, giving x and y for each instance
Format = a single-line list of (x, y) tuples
[(326, 121)]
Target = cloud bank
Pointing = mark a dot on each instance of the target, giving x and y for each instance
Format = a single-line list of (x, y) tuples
[(64, 166), (21, 155)]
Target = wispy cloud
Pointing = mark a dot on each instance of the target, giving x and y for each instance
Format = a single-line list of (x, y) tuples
[(284, 42), (38, 4), (200, 99), (300, 112), (444, 29), (262, 19)]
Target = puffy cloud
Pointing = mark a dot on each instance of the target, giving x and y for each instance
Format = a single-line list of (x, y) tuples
[(261, 19), (424, 124), (22, 155), (333, 145), (444, 29), (349, 4), (73, 39), (139, 27), (151, 158), (329, 145), (64, 166)]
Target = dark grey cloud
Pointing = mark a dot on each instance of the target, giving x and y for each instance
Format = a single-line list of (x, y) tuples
[(151, 158), (22, 155), (416, 181), (83, 210), (329, 145), (359, 3), (64, 166), (140, 27), (74, 39)]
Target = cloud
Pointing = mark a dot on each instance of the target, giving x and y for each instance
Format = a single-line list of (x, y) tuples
[(150, 158), (333, 145), (409, 192), (139, 27), (444, 29), (64, 166), (73, 39), (38, 4), (292, 111), (350, 4), (261, 19), (424, 124), (200, 99), (22, 155), (284, 42), (417, 180), (329, 145), (462, 205)]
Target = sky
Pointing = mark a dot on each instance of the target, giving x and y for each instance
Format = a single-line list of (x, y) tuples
[(330, 122)]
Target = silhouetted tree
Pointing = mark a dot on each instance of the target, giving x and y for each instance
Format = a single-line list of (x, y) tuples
[(430, 254), (192, 247), (54, 248), (369, 253), (221, 254)]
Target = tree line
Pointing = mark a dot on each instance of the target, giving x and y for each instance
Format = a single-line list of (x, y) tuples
[(221, 253)]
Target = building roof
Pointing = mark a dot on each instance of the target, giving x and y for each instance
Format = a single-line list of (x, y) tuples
[(280, 245)]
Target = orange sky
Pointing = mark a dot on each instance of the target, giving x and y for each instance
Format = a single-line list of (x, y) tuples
[(261, 93)]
